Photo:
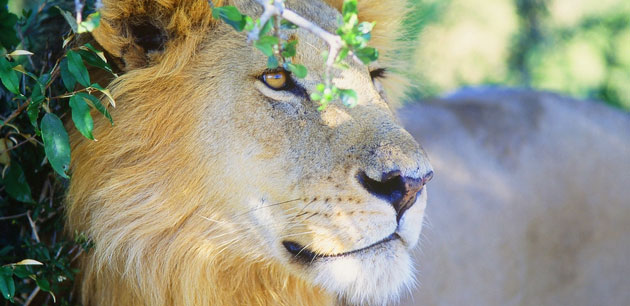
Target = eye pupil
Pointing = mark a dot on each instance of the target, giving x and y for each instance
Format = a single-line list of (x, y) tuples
[(275, 79)]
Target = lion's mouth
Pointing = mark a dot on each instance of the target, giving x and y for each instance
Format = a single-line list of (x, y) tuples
[(307, 256)]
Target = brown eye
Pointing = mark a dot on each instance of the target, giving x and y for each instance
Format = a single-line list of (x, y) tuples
[(276, 80)]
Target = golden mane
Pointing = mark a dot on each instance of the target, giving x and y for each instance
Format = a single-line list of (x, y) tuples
[(137, 190)]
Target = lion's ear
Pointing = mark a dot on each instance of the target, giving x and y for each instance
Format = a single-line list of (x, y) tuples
[(138, 31)]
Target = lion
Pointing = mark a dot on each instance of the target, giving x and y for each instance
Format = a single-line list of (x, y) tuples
[(531, 204), (216, 187)]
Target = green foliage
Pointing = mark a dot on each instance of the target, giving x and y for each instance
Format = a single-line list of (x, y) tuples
[(354, 38), (41, 85), (581, 49)]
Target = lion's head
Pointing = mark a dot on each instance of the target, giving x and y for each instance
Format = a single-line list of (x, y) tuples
[(215, 188)]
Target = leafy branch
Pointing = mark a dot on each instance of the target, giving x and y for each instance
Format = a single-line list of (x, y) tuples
[(350, 39), (40, 86)]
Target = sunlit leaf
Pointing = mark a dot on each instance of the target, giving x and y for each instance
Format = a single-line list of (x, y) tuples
[(272, 62), (266, 43), (367, 55), (105, 92), (90, 23), (56, 143), (267, 27), (287, 25), (298, 70), (288, 49), (29, 262), (19, 52), (230, 15), (349, 7), (348, 97)]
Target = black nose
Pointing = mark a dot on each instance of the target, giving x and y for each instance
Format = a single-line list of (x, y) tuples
[(400, 191)]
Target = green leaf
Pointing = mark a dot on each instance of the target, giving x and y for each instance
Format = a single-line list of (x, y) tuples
[(90, 23), (33, 114), (315, 96), (298, 70), (266, 43), (95, 60), (37, 96), (288, 49), (105, 92), (68, 79), (7, 286), (69, 19), (9, 38), (44, 285), (272, 62), (77, 68), (267, 27), (28, 262), (249, 24), (96, 103), (56, 143), (348, 97), (366, 27), (367, 55), (287, 25), (22, 271), (16, 185), (343, 53), (9, 77), (81, 116), (230, 15), (349, 7)]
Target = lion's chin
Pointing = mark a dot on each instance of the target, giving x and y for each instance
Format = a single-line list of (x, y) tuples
[(373, 276)]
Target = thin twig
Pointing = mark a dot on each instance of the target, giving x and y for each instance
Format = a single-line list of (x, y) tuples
[(31, 296), (78, 8), (33, 227), (17, 145), (277, 9), (13, 216)]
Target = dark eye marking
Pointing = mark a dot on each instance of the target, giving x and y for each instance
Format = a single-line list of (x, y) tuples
[(378, 73)]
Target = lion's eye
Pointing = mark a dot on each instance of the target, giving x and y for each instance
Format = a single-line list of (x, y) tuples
[(276, 80)]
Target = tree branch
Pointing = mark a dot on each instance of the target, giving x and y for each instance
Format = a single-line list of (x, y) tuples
[(277, 9)]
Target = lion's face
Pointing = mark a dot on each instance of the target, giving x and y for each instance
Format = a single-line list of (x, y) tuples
[(330, 194), (214, 163)]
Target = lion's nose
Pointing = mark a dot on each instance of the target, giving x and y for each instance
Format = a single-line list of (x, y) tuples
[(400, 191)]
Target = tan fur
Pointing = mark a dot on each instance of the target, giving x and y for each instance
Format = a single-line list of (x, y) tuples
[(530, 204), (190, 194)]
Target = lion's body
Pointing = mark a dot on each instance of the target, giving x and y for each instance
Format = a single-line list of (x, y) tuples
[(212, 188), (530, 204)]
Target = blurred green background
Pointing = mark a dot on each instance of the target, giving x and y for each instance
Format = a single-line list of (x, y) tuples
[(576, 47)]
